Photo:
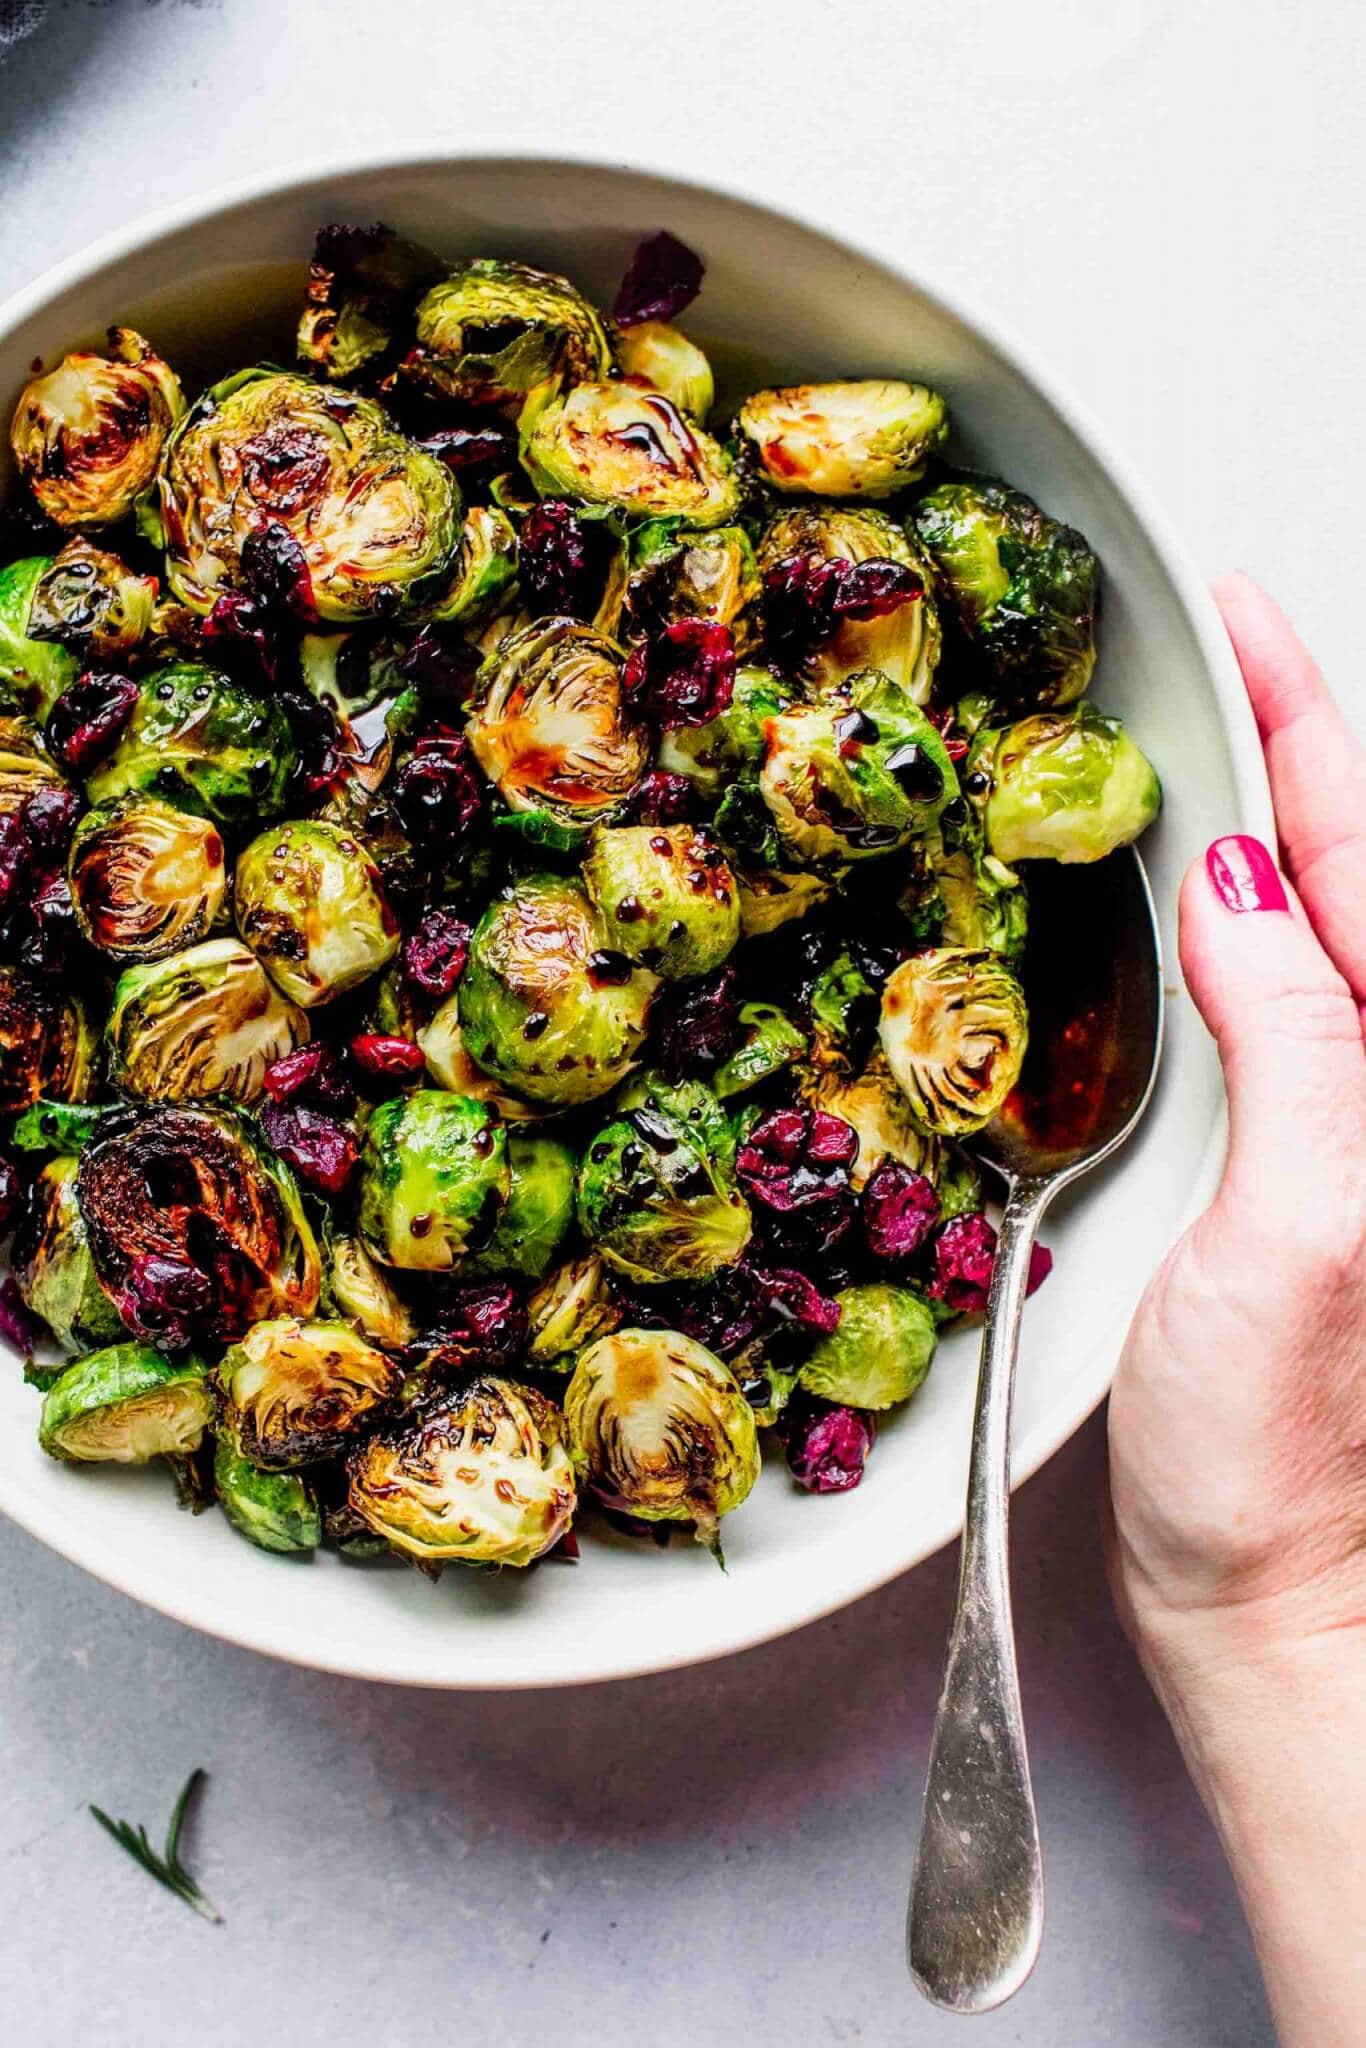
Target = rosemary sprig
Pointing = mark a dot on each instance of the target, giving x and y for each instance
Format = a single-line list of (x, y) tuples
[(167, 1867)]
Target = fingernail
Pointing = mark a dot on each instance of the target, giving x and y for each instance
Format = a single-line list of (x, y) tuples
[(1244, 874)]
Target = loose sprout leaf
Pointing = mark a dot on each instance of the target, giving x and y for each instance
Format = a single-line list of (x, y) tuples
[(166, 1867)]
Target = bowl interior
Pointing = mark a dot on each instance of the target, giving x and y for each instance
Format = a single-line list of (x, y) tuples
[(781, 301)]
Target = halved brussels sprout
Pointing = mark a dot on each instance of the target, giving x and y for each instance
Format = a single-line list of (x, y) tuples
[(729, 747), (197, 1229), (545, 1008), (377, 517), (659, 1428), (771, 1042), (434, 1176), (769, 899), (665, 895), (903, 643), (550, 725), (88, 435), (273, 1510), (856, 776), (360, 282), (1024, 587), (204, 1022), (310, 903), (33, 671), (24, 764), (855, 440), (53, 1269), (147, 878), (87, 600), (954, 1029), (572, 1306), (874, 1105), (125, 1405), (663, 359), (880, 1352), (657, 1193), (294, 1393), (483, 1478), (362, 1291), (492, 332), (538, 1211), (448, 1061), (485, 566), (620, 445), (48, 1043), (200, 740), (675, 574), (1068, 786)]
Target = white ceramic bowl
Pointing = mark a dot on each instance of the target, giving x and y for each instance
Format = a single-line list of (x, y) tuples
[(216, 282)]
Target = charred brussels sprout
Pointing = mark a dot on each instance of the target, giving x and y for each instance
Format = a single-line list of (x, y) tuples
[(663, 358), (954, 1031), (880, 1352), (492, 332), (310, 903), (1024, 587), (377, 518), (545, 1009), (485, 566), (362, 1291), (771, 1042), (360, 283), (24, 764), (665, 895), (204, 1022), (53, 1267), (657, 1193), (33, 671), (538, 1211), (900, 636), (571, 1307), (620, 445), (200, 740), (295, 1393), (854, 777), (448, 1061), (857, 440), (873, 1104), (87, 600), (125, 1405), (47, 1043), (730, 746), (1068, 786), (146, 878), (659, 1428), (550, 725), (88, 435), (273, 1510), (484, 1478), (675, 574), (434, 1176)]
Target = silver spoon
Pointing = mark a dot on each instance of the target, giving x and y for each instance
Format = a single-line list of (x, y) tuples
[(1092, 974)]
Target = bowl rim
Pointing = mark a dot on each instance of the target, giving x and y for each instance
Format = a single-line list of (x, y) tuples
[(1248, 772)]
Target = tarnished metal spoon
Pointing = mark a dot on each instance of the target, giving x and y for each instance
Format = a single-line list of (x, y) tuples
[(1092, 974)]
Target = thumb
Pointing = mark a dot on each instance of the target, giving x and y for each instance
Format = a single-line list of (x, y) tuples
[(1287, 1028)]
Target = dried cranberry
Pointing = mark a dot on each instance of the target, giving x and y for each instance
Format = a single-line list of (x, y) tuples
[(828, 1448), (49, 816), (900, 1209), (472, 447), (682, 676), (54, 934), (243, 625), (87, 719), (964, 1258), (441, 666), (384, 1058), (439, 796), (807, 596), (792, 1298), (162, 1298), (483, 1326), (795, 1165), (14, 857), (317, 737), (312, 1073), (696, 1024), (662, 799), (275, 571), (563, 560), (11, 1194), (663, 276), (434, 955), (17, 1326), (724, 1314), (322, 1152)]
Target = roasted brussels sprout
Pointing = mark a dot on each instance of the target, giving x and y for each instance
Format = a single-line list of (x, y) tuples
[(33, 671), (545, 1009), (854, 777), (492, 332), (1024, 587), (965, 896), (362, 1291), (200, 740), (204, 1022), (620, 445), (715, 755), (88, 435), (879, 1353), (675, 574), (377, 518), (572, 1306), (538, 1211), (771, 1042), (197, 1230), (295, 1393), (1068, 786), (48, 1043), (87, 600), (485, 566), (659, 1428), (769, 899), (663, 359), (310, 903), (360, 282), (434, 1176), (483, 1478), (448, 1061), (125, 1405), (665, 895), (954, 1031), (874, 1105), (857, 440), (147, 878), (273, 1510), (53, 1268), (24, 764), (550, 727), (657, 1192), (902, 639)]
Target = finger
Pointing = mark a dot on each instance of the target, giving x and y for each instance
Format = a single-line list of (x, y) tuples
[(1286, 1025), (1317, 767)]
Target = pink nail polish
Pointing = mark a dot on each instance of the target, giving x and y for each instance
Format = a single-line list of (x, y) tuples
[(1244, 874)]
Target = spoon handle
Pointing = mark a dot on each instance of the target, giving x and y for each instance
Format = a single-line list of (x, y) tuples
[(976, 1912)]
